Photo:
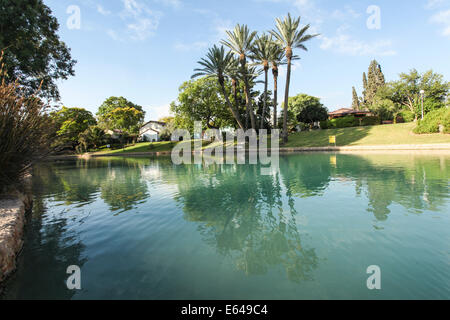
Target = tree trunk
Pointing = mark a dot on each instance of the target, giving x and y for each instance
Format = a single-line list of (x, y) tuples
[(263, 115), (230, 106), (275, 98), (286, 101), (249, 104), (236, 101), (248, 97)]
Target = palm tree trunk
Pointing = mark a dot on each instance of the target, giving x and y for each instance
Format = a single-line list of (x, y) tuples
[(230, 106), (263, 115), (236, 101), (248, 97), (275, 100), (249, 104), (286, 101), (247, 119)]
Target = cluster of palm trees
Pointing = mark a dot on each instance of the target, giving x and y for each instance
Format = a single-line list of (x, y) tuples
[(248, 51)]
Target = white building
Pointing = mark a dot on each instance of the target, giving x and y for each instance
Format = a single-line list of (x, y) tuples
[(150, 132)]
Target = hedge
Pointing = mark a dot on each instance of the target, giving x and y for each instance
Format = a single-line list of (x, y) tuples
[(432, 121), (407, 116), (348, 122)]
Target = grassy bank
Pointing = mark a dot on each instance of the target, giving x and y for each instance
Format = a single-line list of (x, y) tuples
[(163, 146), (395, 134)]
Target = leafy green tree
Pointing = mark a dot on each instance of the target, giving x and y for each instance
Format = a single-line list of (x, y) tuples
[(219, 65), (301, 101), (406, 91), (93, 137), (289, 35), (200, 100), (383, 106), (71, 123), (306, 109), (34, 52), (121, 114), (313, 113)]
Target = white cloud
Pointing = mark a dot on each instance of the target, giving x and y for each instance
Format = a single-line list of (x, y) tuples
[(345, 14), (156, 113), (344, 43), (176, 4), (220, 27), (433, 4), (141, 21), (113, 35), (102, 10), (443, 18)]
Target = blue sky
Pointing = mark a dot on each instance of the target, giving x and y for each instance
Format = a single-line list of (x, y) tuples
[(145, 49)]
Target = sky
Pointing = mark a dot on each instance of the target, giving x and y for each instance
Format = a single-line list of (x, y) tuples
[(144, 50)]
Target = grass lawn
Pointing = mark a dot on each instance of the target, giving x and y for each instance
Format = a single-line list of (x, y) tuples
[(377, 135), (147, 147), (394, 134)]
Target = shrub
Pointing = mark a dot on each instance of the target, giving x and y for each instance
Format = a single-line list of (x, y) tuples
[(432, 121), (345, 122), (407, 116), (26, 131), (325, 124), (304, 126), (370, 121)]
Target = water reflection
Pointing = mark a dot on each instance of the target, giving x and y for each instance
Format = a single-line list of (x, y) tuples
[(253, 221), (417, 183), (51, 245), (241, 214)]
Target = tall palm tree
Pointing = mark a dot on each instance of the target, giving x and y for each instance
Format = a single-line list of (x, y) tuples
[(235, 79), (276, 59), (289, 35), (240, 42), (261, 55), (219, 64)]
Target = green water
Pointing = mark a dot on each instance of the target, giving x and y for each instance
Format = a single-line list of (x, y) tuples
[(147, 229)]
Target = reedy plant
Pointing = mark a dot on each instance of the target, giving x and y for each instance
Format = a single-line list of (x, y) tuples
[(26, 131)]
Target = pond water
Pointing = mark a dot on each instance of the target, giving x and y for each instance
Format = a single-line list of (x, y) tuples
[(147, 229)]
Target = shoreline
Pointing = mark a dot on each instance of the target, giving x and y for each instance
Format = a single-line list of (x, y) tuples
[(13, 209), (438, 148)]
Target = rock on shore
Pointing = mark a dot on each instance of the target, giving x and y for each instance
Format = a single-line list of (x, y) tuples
[(12, 220)]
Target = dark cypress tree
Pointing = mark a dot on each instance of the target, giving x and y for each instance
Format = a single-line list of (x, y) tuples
[(375, 80), (365, 88), (355, 102)]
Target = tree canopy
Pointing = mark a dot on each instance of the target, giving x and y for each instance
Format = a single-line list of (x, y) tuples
[(406, 91), (121, 114), (201, 100), (33, 49), (71, 123), (374, 81)]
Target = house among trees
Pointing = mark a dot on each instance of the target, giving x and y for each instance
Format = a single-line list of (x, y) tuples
[(344, 112), (150, 132)]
